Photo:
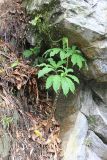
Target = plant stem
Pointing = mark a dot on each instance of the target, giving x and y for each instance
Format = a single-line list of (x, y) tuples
[(55, 102), (53, 111)]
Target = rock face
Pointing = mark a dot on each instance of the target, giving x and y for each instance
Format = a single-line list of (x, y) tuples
[(96, 146), (96, 113), (36, 5), (85, 23), (75, 148), (84, 132)]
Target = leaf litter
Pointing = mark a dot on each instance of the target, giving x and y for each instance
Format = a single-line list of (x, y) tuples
[(24, 96)]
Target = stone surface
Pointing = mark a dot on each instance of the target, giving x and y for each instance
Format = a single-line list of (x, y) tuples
[(32, 5), (85, 23), (75, 149), (96, 146), (96, 113), (91, 155), (100, 90)]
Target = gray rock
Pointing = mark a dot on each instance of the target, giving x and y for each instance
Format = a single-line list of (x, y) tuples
[(32, 5), (100, 90), (85, 23), (75, 149), (96, 114), (91, 155), (97, 146)]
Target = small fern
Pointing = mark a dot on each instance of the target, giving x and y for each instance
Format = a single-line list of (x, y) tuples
[(59, 74)]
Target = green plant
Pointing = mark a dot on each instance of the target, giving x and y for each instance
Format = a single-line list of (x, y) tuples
[(6, 121), (32, 51), (41, 23), (91, 120), (59, 74)]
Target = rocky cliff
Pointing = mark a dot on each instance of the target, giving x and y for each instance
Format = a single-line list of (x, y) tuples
[(85, 24)]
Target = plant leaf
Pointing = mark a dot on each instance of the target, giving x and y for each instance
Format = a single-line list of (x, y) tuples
[(52, 62), (74, 78), (77, 59), (62, 54), (64, 85), (41, 65), (49, 82), (67, 70), (46, 54), (56, 82), (44, 71), (70, 84), (59, 64), (36, 50), (27, 53), (54, 51)]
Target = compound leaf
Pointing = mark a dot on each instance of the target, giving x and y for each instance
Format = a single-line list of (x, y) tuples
[(44, 71)]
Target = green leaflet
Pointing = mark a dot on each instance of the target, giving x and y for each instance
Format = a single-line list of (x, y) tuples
[(49, 82), (52, 62), (74, 78), (68, 70), (77, 59), (56, 82), (62, 54), (60, 63), (70, 84), (44, 71), (65, 86), (54, 51)]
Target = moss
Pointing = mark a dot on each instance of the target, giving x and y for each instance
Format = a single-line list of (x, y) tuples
[(88, 142), (44, 31), (92, 120)]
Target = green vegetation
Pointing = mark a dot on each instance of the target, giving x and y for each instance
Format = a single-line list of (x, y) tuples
[(6, 121), (92, 120), (56, 69), (32, 51), (57, 65), (59, 73)]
